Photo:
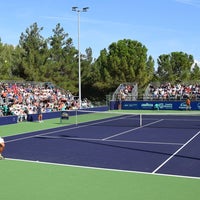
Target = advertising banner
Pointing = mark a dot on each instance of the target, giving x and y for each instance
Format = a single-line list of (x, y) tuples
[(153, 105)]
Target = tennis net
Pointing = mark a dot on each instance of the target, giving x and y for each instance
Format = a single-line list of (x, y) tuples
[(184, 120)]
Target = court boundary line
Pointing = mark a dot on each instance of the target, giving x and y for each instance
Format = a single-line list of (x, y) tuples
[(74, 126), (102, 169), (119, 141), (160, 166)]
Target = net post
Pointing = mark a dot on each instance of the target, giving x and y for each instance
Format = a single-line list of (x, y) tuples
[(76, 117), (140, 120)]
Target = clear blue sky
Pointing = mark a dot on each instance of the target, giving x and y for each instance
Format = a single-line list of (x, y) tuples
[(163, 26)]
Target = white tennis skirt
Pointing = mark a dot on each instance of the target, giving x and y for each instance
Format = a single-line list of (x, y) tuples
[(1, 140)]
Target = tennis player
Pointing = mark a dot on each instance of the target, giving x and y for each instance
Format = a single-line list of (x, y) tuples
[(2, 146), (39, 112)]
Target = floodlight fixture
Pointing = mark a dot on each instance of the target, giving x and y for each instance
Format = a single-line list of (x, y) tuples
[(85, 9), (74, 8)]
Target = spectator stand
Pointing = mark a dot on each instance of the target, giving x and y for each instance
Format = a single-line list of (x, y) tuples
[(168, 91), (126, 92), (19, 99)]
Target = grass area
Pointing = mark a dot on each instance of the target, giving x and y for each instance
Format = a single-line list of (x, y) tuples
[(26, 180)]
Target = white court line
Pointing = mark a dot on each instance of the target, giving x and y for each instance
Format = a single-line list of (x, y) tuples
[(56, 131), (71, 128), (66, 129), (117, 141), (176, 152), (103, 169), (124, 132), (145, 142)]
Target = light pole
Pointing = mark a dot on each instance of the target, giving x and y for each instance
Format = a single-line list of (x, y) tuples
[(76, 9)]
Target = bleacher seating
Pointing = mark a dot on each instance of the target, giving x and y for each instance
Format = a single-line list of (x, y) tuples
[(170, 91), (126, 92)]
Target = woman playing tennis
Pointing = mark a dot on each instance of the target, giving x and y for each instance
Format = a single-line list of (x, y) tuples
[(2, 146)]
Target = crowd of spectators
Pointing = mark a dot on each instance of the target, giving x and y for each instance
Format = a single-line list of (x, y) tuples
[(179, 91), (125, 92), (22, 99), (167, 91)]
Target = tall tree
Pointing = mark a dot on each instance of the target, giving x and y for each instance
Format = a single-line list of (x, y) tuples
[(62, 65), (125, 61), (6, 61), (195, 73), (175, 67), (34, 54), (86, 72)]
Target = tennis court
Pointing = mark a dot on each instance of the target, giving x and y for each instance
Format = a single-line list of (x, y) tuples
[(123, 143)]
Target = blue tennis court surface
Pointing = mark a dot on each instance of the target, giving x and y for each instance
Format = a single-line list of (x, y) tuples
[(146, 148)]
